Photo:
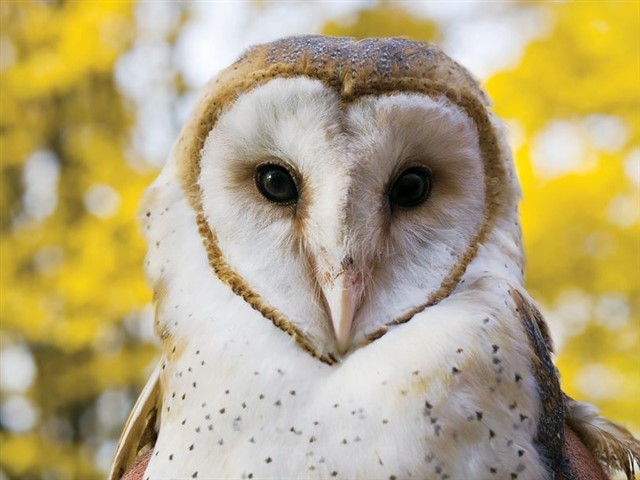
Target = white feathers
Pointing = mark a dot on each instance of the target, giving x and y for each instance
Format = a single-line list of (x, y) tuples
[(417, 248), (291, 123), (344, 159)]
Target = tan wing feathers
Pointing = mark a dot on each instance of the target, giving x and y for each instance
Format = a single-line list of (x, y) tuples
[(609, 441), (139, 433)]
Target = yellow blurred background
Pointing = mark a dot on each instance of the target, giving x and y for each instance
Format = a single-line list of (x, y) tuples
[(93, 94)]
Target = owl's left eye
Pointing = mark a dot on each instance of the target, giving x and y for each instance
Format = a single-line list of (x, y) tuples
[(411, 188), (276, 184)]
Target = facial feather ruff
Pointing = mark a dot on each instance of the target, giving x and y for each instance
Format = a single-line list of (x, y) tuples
[(353, 72)]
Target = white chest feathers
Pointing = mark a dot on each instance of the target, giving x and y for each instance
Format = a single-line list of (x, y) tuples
[(448, 395)]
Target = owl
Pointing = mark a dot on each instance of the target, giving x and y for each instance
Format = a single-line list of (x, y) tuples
[(337, 267)]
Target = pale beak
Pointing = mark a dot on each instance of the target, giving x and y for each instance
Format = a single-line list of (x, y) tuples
[(343, 298)]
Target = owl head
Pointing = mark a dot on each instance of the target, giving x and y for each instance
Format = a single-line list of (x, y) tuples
[(340, 187)]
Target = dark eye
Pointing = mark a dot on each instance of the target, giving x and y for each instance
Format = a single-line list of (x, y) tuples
[(276, 183), (411, 188)]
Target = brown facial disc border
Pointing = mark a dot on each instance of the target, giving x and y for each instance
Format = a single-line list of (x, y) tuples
[(191, 143)]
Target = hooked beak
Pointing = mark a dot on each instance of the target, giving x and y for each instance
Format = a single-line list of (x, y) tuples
[(343, 297)]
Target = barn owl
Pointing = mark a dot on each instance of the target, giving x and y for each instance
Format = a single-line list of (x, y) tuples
[(337, 268)]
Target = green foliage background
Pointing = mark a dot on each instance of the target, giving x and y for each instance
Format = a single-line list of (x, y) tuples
[(73, 297)]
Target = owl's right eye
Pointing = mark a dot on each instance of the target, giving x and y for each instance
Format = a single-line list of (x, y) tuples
[(276, 184)]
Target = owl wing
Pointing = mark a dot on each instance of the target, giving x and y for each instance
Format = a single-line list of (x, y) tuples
[(607, 440), (571, 434), (140, 431)]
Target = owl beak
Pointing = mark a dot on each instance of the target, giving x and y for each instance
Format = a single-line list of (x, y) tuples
[(343, 298)]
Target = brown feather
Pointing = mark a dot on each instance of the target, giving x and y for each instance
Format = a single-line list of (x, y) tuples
[(140, 432), (609, 441)]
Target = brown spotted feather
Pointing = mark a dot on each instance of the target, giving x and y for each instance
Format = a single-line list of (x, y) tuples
[(609, 441)]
